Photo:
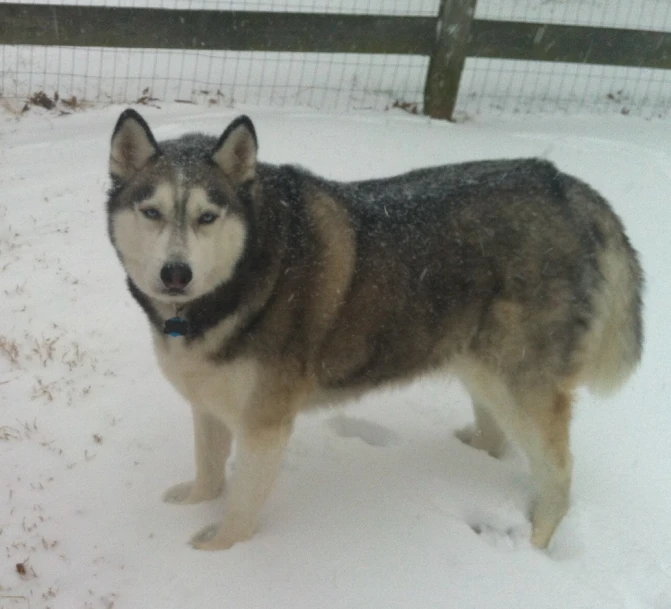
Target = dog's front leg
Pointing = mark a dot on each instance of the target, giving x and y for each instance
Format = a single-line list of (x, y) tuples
[(213, 444), (258, 459)]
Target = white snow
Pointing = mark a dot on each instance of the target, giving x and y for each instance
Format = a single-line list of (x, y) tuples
[(378, 506)]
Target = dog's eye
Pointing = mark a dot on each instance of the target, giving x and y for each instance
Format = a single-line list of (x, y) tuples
[(151, 213), (207, 218)]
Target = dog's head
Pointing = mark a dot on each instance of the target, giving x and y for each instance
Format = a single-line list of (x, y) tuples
[(178, 209)]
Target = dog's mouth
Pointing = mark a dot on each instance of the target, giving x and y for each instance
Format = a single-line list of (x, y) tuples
[(179, 294), (173, 295)]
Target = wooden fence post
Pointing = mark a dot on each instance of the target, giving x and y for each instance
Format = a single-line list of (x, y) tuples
[(448, 57)]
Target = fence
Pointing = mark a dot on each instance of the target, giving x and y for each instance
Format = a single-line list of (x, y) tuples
[(506, 55)]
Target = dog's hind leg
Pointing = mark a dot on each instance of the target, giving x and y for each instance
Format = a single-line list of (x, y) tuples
[(538, 419), (213, 445), (485, 433), (544, 435)]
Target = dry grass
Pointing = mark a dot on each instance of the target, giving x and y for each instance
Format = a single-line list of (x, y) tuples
[(10, 349), (47, 350), (43, 100), (75, 357), (40, 99), (9, 433), (410, 107), (9, 254), (44, 390), (44, 349), (15, 599), (54, 361)]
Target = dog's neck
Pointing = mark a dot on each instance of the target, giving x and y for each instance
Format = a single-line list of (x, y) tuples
[(177, 325), (191, 319)]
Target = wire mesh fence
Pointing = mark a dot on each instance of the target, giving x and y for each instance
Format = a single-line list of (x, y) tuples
[(329, 82), (510, 86), (348, 81), (326, 81)]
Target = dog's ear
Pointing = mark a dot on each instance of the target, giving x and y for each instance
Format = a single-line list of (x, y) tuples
[(132, 145), (235, 152)]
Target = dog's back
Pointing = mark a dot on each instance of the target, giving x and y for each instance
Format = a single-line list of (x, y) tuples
[(512, 262)]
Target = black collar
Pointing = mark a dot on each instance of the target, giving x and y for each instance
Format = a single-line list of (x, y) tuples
[(176, 326)]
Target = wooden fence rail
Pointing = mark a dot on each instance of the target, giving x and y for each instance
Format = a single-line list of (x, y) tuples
[(447, 39)]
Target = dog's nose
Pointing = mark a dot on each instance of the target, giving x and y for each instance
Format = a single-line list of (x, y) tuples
[(176, 275)]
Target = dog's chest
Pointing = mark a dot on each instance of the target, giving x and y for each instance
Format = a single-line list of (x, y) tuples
[(224, 389)]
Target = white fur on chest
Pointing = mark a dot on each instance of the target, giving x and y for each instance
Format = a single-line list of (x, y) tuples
[(224, 389)]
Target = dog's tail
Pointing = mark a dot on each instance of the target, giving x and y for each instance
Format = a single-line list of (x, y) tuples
[(616, 343)]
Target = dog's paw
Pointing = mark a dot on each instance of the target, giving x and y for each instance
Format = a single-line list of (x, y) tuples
[(204, 536), (466, 434), (187, 493), (222, 536), (546, 516), (470, 436)]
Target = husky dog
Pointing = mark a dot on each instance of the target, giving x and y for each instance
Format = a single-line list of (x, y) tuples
[(270, 290)]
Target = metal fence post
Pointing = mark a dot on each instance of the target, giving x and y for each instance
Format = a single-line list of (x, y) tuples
[(448, 57)]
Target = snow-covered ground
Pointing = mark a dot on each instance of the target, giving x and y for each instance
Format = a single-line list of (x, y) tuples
[(378, 506)]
